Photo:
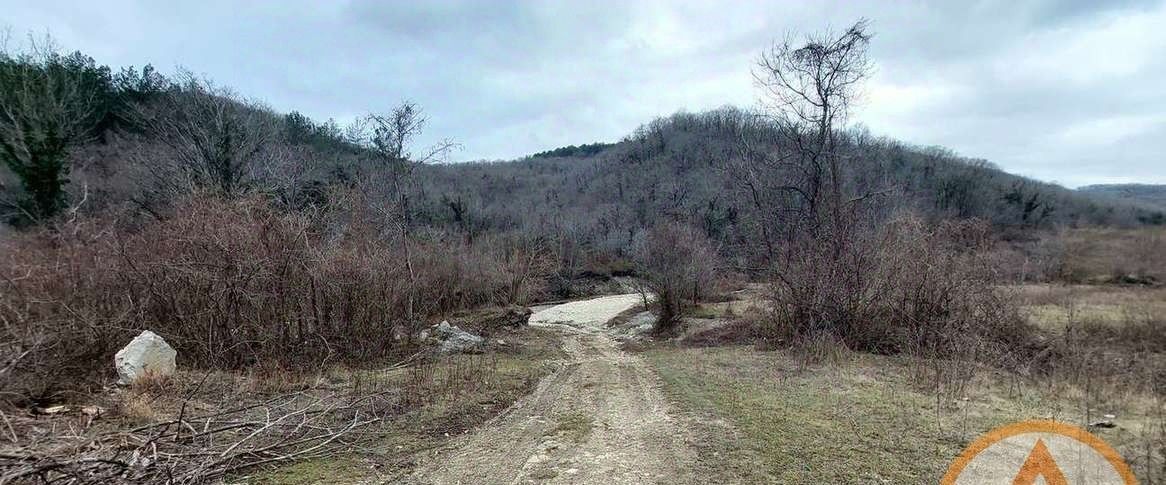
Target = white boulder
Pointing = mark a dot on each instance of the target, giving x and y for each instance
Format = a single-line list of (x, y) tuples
[(146, 353)]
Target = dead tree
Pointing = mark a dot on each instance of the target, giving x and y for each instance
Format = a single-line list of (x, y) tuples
[(809, 86), (389, 138)]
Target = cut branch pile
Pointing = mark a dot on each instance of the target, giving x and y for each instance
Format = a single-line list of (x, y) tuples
[(200, 448)]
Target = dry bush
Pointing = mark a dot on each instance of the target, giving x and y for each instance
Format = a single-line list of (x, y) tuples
[(1030, 260), (904, 288), (58, 304), (678, 265), (230, 284)]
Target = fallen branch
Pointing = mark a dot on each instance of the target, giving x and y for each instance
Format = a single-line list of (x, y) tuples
[(188, 450)]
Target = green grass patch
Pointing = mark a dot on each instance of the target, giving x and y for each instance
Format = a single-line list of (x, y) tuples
[(573, 426)]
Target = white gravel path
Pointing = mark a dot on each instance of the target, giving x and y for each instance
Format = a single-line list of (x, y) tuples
[(590, 314)]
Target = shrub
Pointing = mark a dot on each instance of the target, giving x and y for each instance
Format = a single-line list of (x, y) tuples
[(678, 264), (1110, 357), (903, 288), (230, 284)]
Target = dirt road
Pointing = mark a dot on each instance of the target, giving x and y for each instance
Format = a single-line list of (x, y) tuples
[(601, 418)]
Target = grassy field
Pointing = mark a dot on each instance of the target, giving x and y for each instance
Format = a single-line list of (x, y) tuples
[(1053, 306), (769, 418), (1103, 255), (824, 425)]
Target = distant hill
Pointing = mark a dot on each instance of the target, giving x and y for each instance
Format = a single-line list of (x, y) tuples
[(1153, 195), (675, 168), (584, 150)]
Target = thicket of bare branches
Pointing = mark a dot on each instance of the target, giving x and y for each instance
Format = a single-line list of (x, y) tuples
[(232, 283), (388, 139), (214, 137), (191, 429), (907, 288), (678, 265), (841, 269), (197, 447)]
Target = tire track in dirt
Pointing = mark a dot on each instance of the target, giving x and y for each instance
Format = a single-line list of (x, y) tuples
[(600, 418)]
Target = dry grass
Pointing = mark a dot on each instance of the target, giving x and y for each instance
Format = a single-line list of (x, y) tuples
[(450, 413), (741, 331), (1105, 255), (626, 316), (1053, 306), (138, 409), (792, 424), (805, 412), (1089, 255), (753, 299), (770, 417)]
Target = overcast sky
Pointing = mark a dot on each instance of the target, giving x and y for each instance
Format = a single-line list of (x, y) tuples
[(1072, 92)]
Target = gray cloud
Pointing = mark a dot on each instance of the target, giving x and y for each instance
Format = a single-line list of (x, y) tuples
[(1060, 90)]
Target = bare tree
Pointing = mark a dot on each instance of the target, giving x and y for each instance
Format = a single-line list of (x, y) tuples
[(824, 269), (809, 86), (390, 138), (49, 103), (215, 136)]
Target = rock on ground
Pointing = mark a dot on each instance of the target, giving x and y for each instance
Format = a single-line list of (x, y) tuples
[(488, 320), (147, 353), (454, 339)]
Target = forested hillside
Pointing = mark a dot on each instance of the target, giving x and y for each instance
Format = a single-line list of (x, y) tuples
[(685, 167), (92, 139), (1151, 195)]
